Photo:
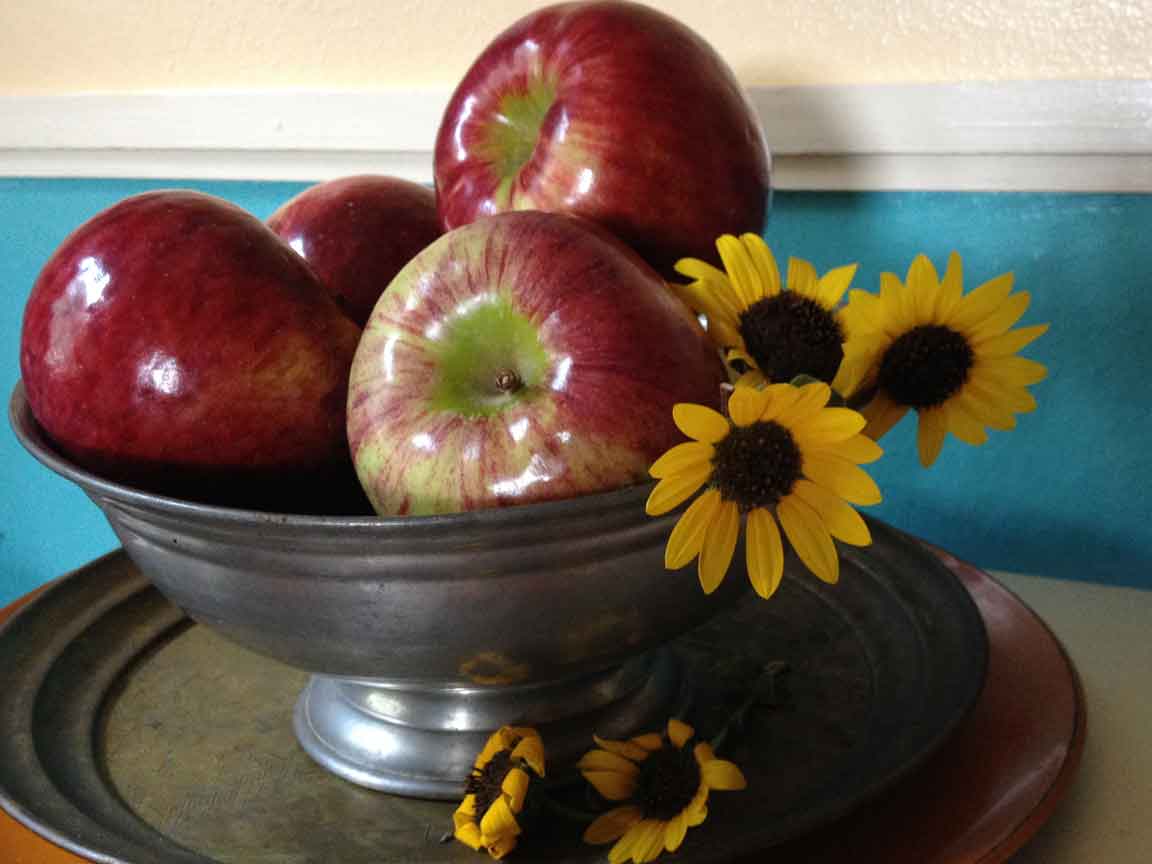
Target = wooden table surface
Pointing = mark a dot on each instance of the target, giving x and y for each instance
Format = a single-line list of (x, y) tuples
[(1096, 814)]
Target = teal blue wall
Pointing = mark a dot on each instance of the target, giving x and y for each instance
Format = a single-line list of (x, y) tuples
[(1063, 495)]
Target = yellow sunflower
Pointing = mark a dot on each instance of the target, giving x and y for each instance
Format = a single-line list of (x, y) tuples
[(783, 455), (661, 786), (776, 335), (496, 789), (926, 346)]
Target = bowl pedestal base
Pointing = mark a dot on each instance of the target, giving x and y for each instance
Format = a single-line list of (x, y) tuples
[(421, 739)]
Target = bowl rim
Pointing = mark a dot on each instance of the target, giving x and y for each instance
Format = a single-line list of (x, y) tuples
[(35, 440)]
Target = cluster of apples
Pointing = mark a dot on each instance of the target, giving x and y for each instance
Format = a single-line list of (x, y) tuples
[(504, 338)]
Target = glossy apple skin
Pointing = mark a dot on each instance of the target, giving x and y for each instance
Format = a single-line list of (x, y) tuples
[(649, 133), (173, 341), (619, 351), (357, 232)]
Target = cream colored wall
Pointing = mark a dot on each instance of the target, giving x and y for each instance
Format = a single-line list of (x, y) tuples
[(70, 45)]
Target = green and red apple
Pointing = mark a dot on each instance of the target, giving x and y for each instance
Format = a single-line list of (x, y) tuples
[(523, 357)]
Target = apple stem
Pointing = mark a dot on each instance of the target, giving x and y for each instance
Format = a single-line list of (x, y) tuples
[(507, 381)]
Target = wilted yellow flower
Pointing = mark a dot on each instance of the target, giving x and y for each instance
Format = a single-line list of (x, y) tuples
[(496, 789)]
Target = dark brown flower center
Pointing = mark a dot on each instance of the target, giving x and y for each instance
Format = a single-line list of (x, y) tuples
[(925, 366), (789, 335), (756, 465), (669, 780), (485, 783)]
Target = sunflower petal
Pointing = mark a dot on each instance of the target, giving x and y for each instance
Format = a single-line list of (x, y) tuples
[(764, 553), (1011, 370), (1012, 341), (810, 539), (811, 399), (697, 811), (841, 520), (650, 741), (981, 302), (515, 786), (882, 413), (695, 268), (612, 825), (688, 536), (654, 846), (499, 847), (865, 311), (627, 749), (860, 449), (764, 262), (779, 398), (675, 831), (703, 752), (606, 760), (980, 403), (951, 289), (742, 274), (829, 426), (712, 298), (923, 285), (611, 784), (469, 835), (682, 457), (723, 776), (752, 378), (497, 742), (802, 278), (858, 368), (622, 851), (895, 308), (832, 285), (930, 434), (963, 425), (1010, 311), (841, 476), (739, 354), (746, 404), (679, 732), (1007, 397), (498, 822), (466, 812), (719, 544), (673, 491), (700, 422), (531, 750)]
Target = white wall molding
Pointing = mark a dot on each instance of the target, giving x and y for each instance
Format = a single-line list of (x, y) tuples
[(1071, 135)]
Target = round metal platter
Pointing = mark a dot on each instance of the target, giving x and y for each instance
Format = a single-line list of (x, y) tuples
[(129, 734)]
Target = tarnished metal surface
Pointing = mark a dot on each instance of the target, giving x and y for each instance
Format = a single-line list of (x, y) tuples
[(131, 735)]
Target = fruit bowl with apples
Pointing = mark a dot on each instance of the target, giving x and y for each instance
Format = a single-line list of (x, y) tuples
[(425, 633), (430, 496), (502, 407)]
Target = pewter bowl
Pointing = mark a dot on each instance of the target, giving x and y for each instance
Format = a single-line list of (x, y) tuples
[(426, 633)]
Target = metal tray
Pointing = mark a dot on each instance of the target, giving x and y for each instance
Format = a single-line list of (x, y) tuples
[(129, 734)]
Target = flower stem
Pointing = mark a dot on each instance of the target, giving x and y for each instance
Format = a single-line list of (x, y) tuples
[(576, 814), (768, 689)]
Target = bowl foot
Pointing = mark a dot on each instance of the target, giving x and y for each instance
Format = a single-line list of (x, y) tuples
[(420, 740)]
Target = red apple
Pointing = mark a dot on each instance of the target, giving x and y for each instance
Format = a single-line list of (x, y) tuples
[(357, 232), (611, 111), (524, 357), (174, 341)]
